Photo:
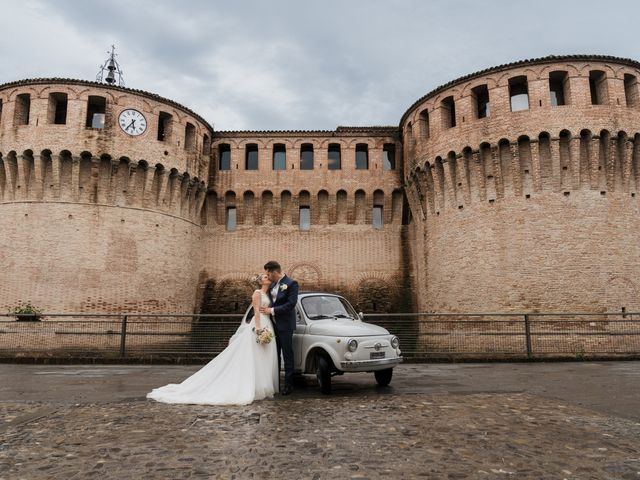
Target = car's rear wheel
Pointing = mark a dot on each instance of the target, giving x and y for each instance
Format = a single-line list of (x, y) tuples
[(383, 377), (323, 373)]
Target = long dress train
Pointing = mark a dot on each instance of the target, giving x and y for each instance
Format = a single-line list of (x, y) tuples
[(243, 372)]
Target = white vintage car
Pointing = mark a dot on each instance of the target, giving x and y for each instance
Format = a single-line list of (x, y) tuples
[(331, 339)]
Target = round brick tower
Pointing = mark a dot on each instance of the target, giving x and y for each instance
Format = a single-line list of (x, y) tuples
[(97, 212), (523, 184)]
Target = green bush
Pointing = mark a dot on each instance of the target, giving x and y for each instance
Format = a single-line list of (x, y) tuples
[(26, 312)]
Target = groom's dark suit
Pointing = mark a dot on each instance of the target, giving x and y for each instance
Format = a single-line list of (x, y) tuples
[(284, 316)]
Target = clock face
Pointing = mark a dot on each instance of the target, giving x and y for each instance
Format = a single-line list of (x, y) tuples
[(132, 122)]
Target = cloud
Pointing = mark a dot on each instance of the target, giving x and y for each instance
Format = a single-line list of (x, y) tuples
[(300, 65)]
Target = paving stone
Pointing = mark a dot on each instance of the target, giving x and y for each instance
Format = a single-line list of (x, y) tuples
[(393, 436)]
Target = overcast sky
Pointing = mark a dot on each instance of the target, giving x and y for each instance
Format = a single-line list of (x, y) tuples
[(302, 64)]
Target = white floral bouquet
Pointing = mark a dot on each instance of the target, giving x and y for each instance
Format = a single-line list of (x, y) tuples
[(264, 336)]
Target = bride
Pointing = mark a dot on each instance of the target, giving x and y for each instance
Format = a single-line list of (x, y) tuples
[(243, 372)]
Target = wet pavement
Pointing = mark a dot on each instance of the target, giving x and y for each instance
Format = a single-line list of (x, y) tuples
[(452, 421)]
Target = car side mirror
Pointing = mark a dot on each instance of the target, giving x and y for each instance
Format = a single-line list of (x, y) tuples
[(361, 315)]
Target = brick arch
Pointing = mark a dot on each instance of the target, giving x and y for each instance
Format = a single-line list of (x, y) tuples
[(307, 274), (229, 141), (313, 141), (73, 92), (98, 93), (43, 91), (229, 293), (624, 69), (375, 293), (587, 67), (158, 107), (148, 106), (20, 90), (490, 82), (262, 144), (366, 140), (272, 141), (571, 69), (450, 92), (325, 143), (502, 79)]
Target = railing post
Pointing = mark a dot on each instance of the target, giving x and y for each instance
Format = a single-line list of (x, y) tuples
[(527, 334), (123, 336)]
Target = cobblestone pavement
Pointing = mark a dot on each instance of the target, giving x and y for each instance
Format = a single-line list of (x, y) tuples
[(373, 433)]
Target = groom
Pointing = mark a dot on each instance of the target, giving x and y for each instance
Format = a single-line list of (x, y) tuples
[(284, 296)]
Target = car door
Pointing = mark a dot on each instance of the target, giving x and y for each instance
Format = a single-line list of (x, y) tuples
[(298, 340)]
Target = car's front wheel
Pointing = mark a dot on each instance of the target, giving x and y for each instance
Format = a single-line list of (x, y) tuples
[(383, 377), (323, 373)]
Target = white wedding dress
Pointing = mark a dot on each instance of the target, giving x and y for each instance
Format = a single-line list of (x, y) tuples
[(243, 372)]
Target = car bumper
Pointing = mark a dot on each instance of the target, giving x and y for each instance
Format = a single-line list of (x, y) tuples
[(369, 365)]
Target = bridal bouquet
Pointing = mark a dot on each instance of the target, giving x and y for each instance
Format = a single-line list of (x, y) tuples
[(264, 336)]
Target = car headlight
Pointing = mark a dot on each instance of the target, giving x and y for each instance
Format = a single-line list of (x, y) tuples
[(352, 345), (395, 342)]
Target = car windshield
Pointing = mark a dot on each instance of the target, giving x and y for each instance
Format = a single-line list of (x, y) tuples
[(318, 307)]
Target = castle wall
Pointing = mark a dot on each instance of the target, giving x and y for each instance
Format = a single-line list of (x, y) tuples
[(546, 254), (341, 251), (365, 266), (92, 219), (41, 134), (532, 209), (485, 205), (70, 258)]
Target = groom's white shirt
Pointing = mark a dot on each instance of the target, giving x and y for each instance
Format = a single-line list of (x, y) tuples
[(274, 290)]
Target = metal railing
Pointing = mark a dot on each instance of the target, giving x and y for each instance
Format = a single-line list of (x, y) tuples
[(423, 336)]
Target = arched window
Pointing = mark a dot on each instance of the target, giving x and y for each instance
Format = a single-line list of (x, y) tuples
[(96, 108), (22, 109), (378, 203), (206, 145), (231, 213), (598, 87), (389, 156), (448, 108), (408, 138), (424, 124), (57, 111), (251, 157), (519, 93), (306, 156), (189, 136), (304, 201), (558, 88), (334, 157), (631, 90), (164, 126), (224, 156), (231, 220), (279, 157), (481, 101), (362, 156)]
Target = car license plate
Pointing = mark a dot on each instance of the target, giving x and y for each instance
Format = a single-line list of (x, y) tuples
[(377, 355)]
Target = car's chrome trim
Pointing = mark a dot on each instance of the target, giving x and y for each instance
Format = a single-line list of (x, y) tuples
[(370, 363)]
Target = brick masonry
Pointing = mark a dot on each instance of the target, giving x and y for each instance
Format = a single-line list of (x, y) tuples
[(533, 210), (525, 210)]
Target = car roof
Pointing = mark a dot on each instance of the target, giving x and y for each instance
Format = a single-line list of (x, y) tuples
[(309, 293)]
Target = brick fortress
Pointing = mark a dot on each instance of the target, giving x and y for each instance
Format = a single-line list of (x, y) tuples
[(510, 189)]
